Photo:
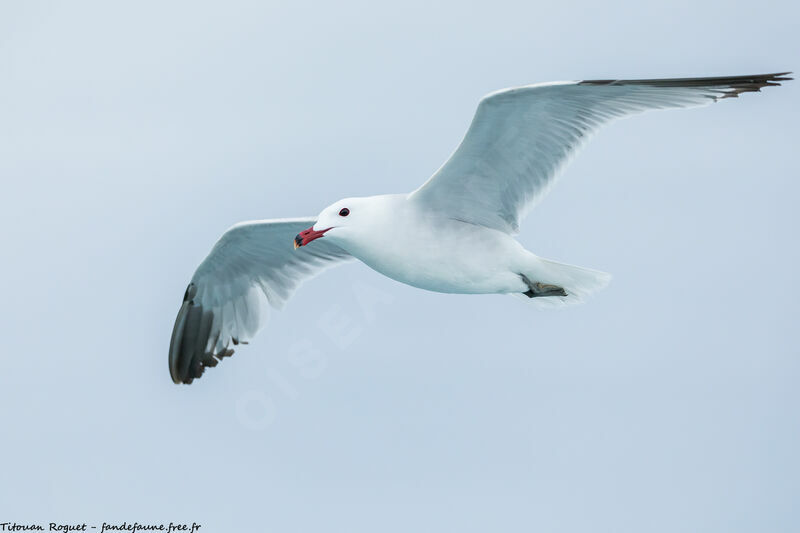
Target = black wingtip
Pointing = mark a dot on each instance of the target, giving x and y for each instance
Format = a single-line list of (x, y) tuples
[(730, 86), (175, 343), (188, 358)]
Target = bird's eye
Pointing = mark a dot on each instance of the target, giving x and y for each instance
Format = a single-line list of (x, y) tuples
[(344, 212)]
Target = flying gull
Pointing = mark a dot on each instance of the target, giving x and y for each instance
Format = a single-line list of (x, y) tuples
[(454, 234)]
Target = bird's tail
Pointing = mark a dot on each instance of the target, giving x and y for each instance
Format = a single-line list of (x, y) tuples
[(578, 283)]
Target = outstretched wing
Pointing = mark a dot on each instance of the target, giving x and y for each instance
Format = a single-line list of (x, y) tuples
[(520, 137), (252, 264)]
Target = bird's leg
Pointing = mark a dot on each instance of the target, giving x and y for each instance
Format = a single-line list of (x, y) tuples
[(538, 289)]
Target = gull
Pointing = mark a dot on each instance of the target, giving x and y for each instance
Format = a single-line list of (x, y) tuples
[(454, 234)]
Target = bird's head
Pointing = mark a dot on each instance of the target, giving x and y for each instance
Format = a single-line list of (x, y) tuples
[(342, 221)]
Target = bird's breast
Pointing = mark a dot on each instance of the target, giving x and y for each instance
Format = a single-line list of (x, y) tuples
[(452, 257)]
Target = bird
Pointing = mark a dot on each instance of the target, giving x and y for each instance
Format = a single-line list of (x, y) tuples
[(453, 234)]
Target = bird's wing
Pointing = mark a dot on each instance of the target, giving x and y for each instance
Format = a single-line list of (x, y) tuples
[(520, 137), (252, 264)]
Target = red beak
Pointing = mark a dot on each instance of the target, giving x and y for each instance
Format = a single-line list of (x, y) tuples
[(306, 236)]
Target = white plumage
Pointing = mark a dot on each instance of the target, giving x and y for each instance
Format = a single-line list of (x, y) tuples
[(453, 234)]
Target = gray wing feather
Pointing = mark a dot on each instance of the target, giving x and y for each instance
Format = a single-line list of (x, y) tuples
[(520, 138), (254, 263)]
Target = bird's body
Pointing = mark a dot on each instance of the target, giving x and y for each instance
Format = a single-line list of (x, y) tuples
[(433, 252), (454, 234)]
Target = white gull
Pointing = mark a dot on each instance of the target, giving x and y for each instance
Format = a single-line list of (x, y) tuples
[(454, 234)]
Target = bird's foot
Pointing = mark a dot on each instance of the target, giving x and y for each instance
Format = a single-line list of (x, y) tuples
[(539, 289)]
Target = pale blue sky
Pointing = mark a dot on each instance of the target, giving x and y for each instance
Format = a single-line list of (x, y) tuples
[(132, 136)]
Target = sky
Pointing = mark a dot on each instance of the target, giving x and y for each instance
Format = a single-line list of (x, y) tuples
[(133, 134)]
